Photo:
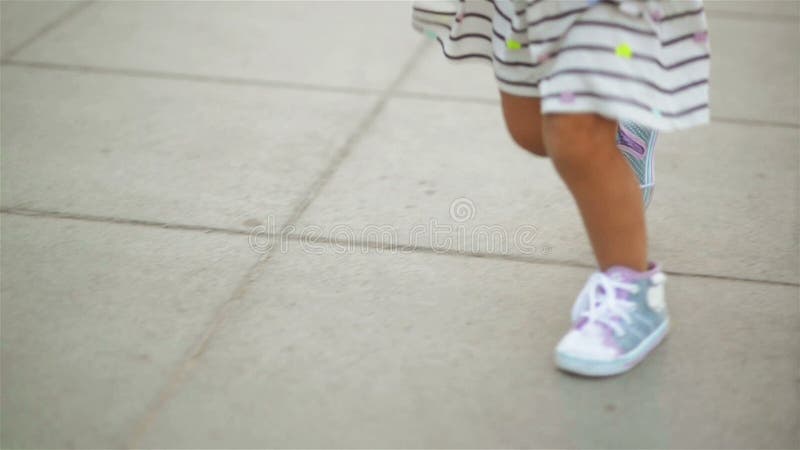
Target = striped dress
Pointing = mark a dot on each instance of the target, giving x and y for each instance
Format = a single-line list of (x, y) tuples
[(641, 61)]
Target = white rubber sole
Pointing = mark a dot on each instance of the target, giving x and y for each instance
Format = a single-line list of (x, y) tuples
[(595, 368)]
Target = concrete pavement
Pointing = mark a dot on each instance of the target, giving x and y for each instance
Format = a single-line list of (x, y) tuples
[(210, 240)]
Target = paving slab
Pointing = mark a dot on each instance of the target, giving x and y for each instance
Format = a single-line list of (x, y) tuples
[(768, 90), (21, 20), (95, 317), (726, 202), (448, 166), (166, 150), (421, 161), (434, 74), (339, 44), (772, 52), (402, 350)]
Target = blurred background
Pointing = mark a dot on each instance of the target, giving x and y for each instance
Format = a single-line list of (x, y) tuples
[(185, 192)]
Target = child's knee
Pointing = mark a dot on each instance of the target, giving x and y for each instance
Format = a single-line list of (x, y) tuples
[(527, 138), (523, 120), (578, 138)]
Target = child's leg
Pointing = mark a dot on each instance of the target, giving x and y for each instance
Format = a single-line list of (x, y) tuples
[(584, 151), (524, 122), (620, 315)]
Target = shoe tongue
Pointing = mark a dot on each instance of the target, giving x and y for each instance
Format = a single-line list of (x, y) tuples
[(626, 274)]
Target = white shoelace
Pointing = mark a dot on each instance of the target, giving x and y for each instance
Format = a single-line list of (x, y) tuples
[(598, 302)]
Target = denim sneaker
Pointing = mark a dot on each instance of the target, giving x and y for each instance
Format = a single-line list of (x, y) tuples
[(618, 318), (637, 144)]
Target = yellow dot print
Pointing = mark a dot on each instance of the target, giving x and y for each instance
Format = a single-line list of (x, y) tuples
[(624, 51)]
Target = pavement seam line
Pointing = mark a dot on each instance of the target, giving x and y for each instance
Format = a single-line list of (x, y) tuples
[(181, 76), (19, 211), (347, 148), (176, 378), (185, 365), (64, 17), (275, 84), (407, 248)]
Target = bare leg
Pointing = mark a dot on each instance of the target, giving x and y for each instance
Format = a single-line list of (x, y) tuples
[(524, 122), (584, 151)]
